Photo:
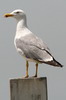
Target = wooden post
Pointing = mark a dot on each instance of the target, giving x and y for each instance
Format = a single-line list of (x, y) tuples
[(29, 89)]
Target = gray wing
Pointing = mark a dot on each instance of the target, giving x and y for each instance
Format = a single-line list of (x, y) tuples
[(34, 48), (34, 40)]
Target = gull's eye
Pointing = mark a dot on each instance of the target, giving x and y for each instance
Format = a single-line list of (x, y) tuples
[(17, 12)]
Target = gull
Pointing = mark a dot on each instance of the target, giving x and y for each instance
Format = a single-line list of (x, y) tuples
[(28, 45)]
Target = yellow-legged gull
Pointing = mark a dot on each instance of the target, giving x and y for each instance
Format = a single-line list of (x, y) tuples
[(29, 45)]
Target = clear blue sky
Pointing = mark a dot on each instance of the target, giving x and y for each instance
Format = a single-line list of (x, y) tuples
[(47, 19)]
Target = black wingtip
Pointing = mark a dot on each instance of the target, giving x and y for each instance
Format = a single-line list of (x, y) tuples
[(61, 66), (57, 63)]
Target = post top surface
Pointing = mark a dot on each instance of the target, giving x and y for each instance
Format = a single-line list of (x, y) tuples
[(30, 78)]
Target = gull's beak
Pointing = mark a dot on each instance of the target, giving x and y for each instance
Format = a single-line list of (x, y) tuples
[(8, 15)]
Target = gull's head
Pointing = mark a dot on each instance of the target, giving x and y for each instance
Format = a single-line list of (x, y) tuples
[(17, 14)]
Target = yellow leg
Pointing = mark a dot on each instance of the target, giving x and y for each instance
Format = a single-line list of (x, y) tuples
[(36, 69), (27, 65)]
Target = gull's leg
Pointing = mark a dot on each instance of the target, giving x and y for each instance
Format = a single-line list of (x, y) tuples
[(36, 70), (27, 65)]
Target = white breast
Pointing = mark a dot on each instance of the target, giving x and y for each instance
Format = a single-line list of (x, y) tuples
[(21, 33)]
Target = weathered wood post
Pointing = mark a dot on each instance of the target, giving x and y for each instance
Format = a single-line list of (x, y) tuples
[(29, 89)]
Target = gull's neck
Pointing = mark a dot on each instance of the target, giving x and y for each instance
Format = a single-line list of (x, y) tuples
[(22, 29), (22, 23)]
